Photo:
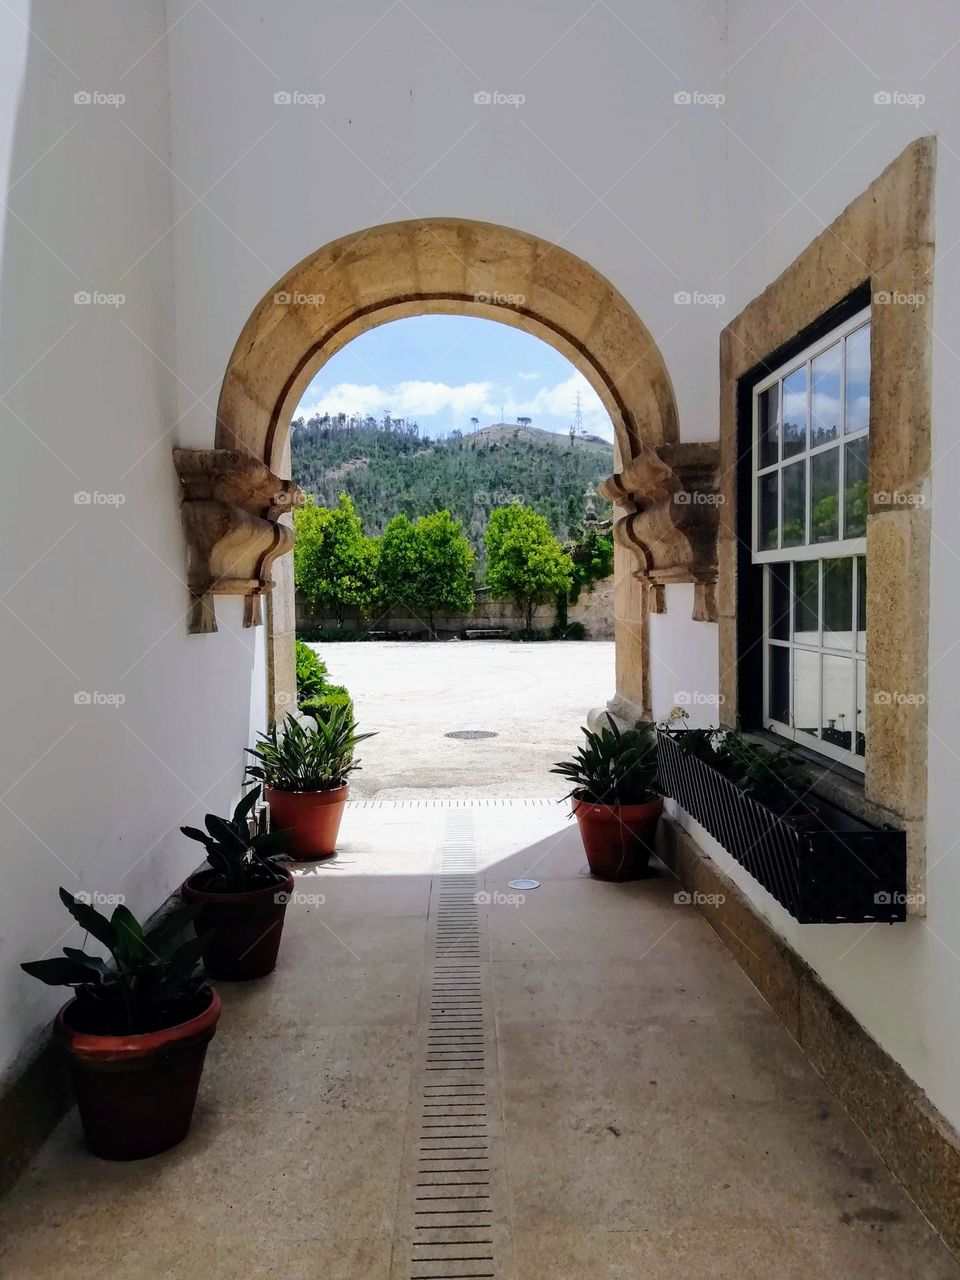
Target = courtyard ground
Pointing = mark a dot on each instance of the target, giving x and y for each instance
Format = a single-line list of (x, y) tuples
[(447, 1080), (534, 697)]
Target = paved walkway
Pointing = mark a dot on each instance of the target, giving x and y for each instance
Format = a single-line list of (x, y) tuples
[(533, 696), (578, 1086)]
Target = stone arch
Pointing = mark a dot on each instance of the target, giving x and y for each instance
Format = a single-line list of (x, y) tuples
[(234, 500), (440, 265)]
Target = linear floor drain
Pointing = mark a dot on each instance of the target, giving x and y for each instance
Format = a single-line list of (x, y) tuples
[(453, 1229)]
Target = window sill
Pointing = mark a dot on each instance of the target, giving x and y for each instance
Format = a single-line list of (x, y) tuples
[(825, 867), (834, 781)]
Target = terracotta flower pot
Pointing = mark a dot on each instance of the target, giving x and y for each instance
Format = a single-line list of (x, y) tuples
[(136, 1093), (243, 929), (312, 816), (618, 838)]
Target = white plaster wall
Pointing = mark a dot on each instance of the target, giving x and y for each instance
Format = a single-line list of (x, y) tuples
[(684, 658), (805, 138), (93, 597), (598, 158), (659, 197)]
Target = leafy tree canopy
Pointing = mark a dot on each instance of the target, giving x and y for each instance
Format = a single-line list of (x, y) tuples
[(427, 565), (334, 563), (525, 561)]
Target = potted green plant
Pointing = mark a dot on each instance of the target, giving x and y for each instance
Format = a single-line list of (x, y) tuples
[(136, 1031), (615, 798), (304, 771), (242, 894)]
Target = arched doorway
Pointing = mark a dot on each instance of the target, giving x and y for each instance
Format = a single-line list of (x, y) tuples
[(438, 266)]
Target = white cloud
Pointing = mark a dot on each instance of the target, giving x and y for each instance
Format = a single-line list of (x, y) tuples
[(455, 403), (529, 377), (560, 401), (404, 400)]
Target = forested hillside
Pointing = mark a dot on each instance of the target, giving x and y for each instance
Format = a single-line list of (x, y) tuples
[(388, 468)]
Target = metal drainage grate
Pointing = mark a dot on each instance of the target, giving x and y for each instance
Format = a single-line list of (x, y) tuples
[(470, 735), (453, 1219)]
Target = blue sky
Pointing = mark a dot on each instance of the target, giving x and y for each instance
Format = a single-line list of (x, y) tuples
[(444, 370)]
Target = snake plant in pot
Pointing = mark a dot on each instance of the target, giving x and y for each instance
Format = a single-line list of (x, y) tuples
[(241, 895), (136, 1031), (304, 772), (615, 798)]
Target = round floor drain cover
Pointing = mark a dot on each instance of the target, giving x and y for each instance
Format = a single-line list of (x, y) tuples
[(470, 735), (523, 884)]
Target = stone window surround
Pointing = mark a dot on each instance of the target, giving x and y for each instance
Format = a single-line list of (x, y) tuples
[(885, 239)]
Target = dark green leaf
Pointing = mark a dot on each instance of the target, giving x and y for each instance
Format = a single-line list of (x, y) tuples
[(97, 925), (58, 972)]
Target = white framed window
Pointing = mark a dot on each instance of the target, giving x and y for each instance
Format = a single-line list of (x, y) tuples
[(811, 425)]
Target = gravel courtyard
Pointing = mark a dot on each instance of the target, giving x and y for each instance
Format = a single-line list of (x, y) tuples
[(534, 697)]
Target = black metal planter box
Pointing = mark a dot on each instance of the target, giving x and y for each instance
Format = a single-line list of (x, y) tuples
[(840, 871)]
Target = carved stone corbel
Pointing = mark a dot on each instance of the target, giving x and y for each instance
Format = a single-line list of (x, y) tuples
[(231, 509), (669, 495)]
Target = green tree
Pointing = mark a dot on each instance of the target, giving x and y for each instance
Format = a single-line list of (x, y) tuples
[(525, 561), (334, 564), (426, 566), (397, 563), (592, 559), (445, 576)]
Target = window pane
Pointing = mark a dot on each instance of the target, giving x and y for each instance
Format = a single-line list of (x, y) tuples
[(780, 601), (861, 604), (806, 690), (861, 743), (768, 411), (855, 489), (825, 496), (825, 398), (838, 604), (806, 607), (858, 380), (769, 486), (795, 412), (794, 505), (779, 696), (838, 677)]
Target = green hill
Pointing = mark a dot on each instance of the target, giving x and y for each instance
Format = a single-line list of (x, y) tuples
[(387, 468)]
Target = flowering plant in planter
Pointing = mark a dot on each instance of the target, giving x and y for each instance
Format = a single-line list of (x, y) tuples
[(304, 771), (770, 773), (615, 798), (136, 1032), (820, 862), (242, 896)]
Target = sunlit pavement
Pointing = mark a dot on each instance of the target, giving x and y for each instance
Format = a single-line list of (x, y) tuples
[(533, 696), (446, 1077)]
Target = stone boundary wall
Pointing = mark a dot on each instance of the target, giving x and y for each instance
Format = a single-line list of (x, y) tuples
[(594, 609)]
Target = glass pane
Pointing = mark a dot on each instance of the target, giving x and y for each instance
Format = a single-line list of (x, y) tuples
[(825, 496), (861, 743), (855, 489), (858, 380), (861, 604), (838, 604), (768, 411), (767, 532), (779, 696), (806, 606), (780, 601), (838, 677), (795, 412), (794, 505), (825, 398), (806, 690)]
